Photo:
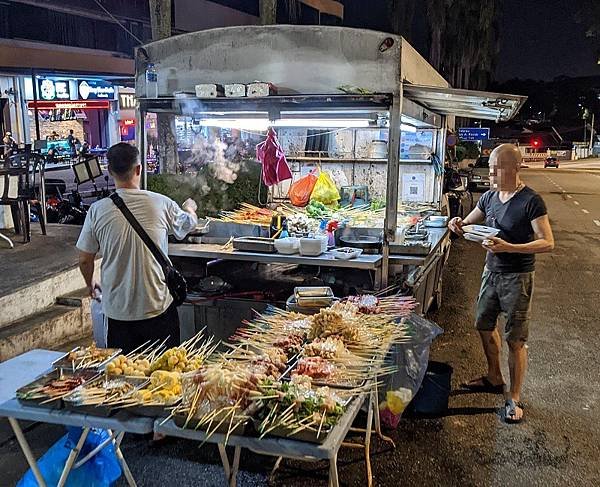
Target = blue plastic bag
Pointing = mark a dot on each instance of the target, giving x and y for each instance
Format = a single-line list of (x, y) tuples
[(102, 470)]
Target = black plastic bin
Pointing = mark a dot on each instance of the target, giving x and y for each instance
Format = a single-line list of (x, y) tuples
[(432, 397)]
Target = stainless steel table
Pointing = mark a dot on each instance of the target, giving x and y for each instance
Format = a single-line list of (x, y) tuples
[(212, 252), (21, 370)]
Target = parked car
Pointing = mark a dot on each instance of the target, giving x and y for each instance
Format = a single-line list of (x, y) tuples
[(480, 175), (551, 162)]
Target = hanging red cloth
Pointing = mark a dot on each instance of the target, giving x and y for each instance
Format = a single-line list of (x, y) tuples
[(274, 164)]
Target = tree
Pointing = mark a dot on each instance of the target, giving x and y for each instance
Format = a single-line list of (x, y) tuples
[(160, 19), (268, 12), (589, 16), (463, 40), (401, 14)]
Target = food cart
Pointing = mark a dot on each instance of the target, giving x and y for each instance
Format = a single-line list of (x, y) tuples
[(385, 112)]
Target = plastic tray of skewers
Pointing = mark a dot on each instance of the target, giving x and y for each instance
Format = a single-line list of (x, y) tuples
[(49, 389), (90, 357)]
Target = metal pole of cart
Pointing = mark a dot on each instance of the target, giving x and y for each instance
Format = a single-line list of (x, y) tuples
[(393, 171), (140, 135)]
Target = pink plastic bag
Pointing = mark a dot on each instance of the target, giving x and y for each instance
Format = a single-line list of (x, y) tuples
[(274, 165)]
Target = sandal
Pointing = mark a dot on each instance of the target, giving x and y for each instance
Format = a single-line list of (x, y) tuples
[(510, 410), (485, 386)]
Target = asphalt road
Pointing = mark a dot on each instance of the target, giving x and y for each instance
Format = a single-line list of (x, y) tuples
[(557, 445)]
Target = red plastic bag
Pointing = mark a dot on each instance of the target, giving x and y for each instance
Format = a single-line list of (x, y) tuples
[(274, 164), (300, 191)]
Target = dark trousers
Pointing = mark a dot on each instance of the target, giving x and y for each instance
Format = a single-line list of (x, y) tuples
[(129, 335)]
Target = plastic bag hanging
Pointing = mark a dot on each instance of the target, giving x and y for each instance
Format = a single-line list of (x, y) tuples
[(301, 190), (275, 168)]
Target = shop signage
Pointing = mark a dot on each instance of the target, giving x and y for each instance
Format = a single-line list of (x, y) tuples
[(70, 105), (473, 134), (49, 89), (128, 122), (95, 90), (126, 101)]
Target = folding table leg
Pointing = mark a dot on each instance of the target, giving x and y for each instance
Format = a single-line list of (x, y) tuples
[(235, 467), (224, 461), (27, 451), (333, 472), (71, 458), (378, 420), (124, 466), (368, 439)]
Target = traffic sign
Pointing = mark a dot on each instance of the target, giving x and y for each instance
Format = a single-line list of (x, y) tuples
[(474, 133)]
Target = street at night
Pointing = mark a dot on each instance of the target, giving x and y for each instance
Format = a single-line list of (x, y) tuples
[(558, 443), (299, 243)]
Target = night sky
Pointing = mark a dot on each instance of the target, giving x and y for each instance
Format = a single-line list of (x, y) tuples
[(541, 40)]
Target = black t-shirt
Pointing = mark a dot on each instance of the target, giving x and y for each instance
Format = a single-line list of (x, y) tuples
[(513, 218)]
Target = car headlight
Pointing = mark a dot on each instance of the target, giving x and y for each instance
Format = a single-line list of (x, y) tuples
[(476, 178)]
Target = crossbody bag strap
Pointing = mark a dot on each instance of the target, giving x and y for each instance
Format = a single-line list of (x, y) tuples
[(152, 247)]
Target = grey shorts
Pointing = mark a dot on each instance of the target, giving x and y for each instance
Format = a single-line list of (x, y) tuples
[(508, 293)]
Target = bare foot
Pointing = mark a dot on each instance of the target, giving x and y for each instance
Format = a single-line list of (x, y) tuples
[(513, 412)]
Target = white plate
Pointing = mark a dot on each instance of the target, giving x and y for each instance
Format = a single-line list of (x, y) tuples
[(479, 233), (346, 255)]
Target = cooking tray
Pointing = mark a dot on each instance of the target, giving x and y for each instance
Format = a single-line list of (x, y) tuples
[(255, 244), (72, 402), (365, 242), (66, 364), (26, 397), (313, 297)]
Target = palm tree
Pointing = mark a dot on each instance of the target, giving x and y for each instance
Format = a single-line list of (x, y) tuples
[(463, 40), (401, 14)]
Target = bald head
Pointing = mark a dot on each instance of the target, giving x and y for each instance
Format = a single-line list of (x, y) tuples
[(505, 162)]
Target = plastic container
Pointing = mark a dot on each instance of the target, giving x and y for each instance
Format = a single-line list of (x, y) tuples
[(287, 246), (432, 397), (313, 247)]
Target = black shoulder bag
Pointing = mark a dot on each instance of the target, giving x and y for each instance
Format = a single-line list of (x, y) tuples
[(175, 281)]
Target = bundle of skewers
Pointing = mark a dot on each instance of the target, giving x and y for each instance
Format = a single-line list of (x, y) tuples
[(89, 357), (165, 369), (399, 306), (54, 386), (299, 410), (107, 391), (218, 397), (248, 213)]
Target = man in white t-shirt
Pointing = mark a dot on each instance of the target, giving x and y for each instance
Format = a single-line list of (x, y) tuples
[(135, 297)]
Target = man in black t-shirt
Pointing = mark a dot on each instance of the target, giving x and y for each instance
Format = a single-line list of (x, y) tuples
[(507, 282)]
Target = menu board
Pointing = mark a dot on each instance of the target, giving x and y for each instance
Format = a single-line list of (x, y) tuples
[(416, 146)]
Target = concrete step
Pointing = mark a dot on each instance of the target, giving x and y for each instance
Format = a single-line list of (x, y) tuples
[(76, 298), (49, 328)]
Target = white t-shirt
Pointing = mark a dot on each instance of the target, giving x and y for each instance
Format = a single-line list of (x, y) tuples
[(133, 283)]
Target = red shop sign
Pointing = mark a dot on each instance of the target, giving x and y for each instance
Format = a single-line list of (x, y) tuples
[(70, 105)]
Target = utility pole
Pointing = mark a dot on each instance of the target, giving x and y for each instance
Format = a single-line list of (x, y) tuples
[(268, 12), (160, 20)]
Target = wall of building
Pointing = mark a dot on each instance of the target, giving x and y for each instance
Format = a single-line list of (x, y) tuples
[(61, 128)]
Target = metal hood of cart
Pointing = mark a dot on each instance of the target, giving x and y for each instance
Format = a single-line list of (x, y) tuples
[(465, 103)]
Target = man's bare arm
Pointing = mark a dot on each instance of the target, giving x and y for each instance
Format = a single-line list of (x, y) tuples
[(544, 240), (456, 224), (86, 266)]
